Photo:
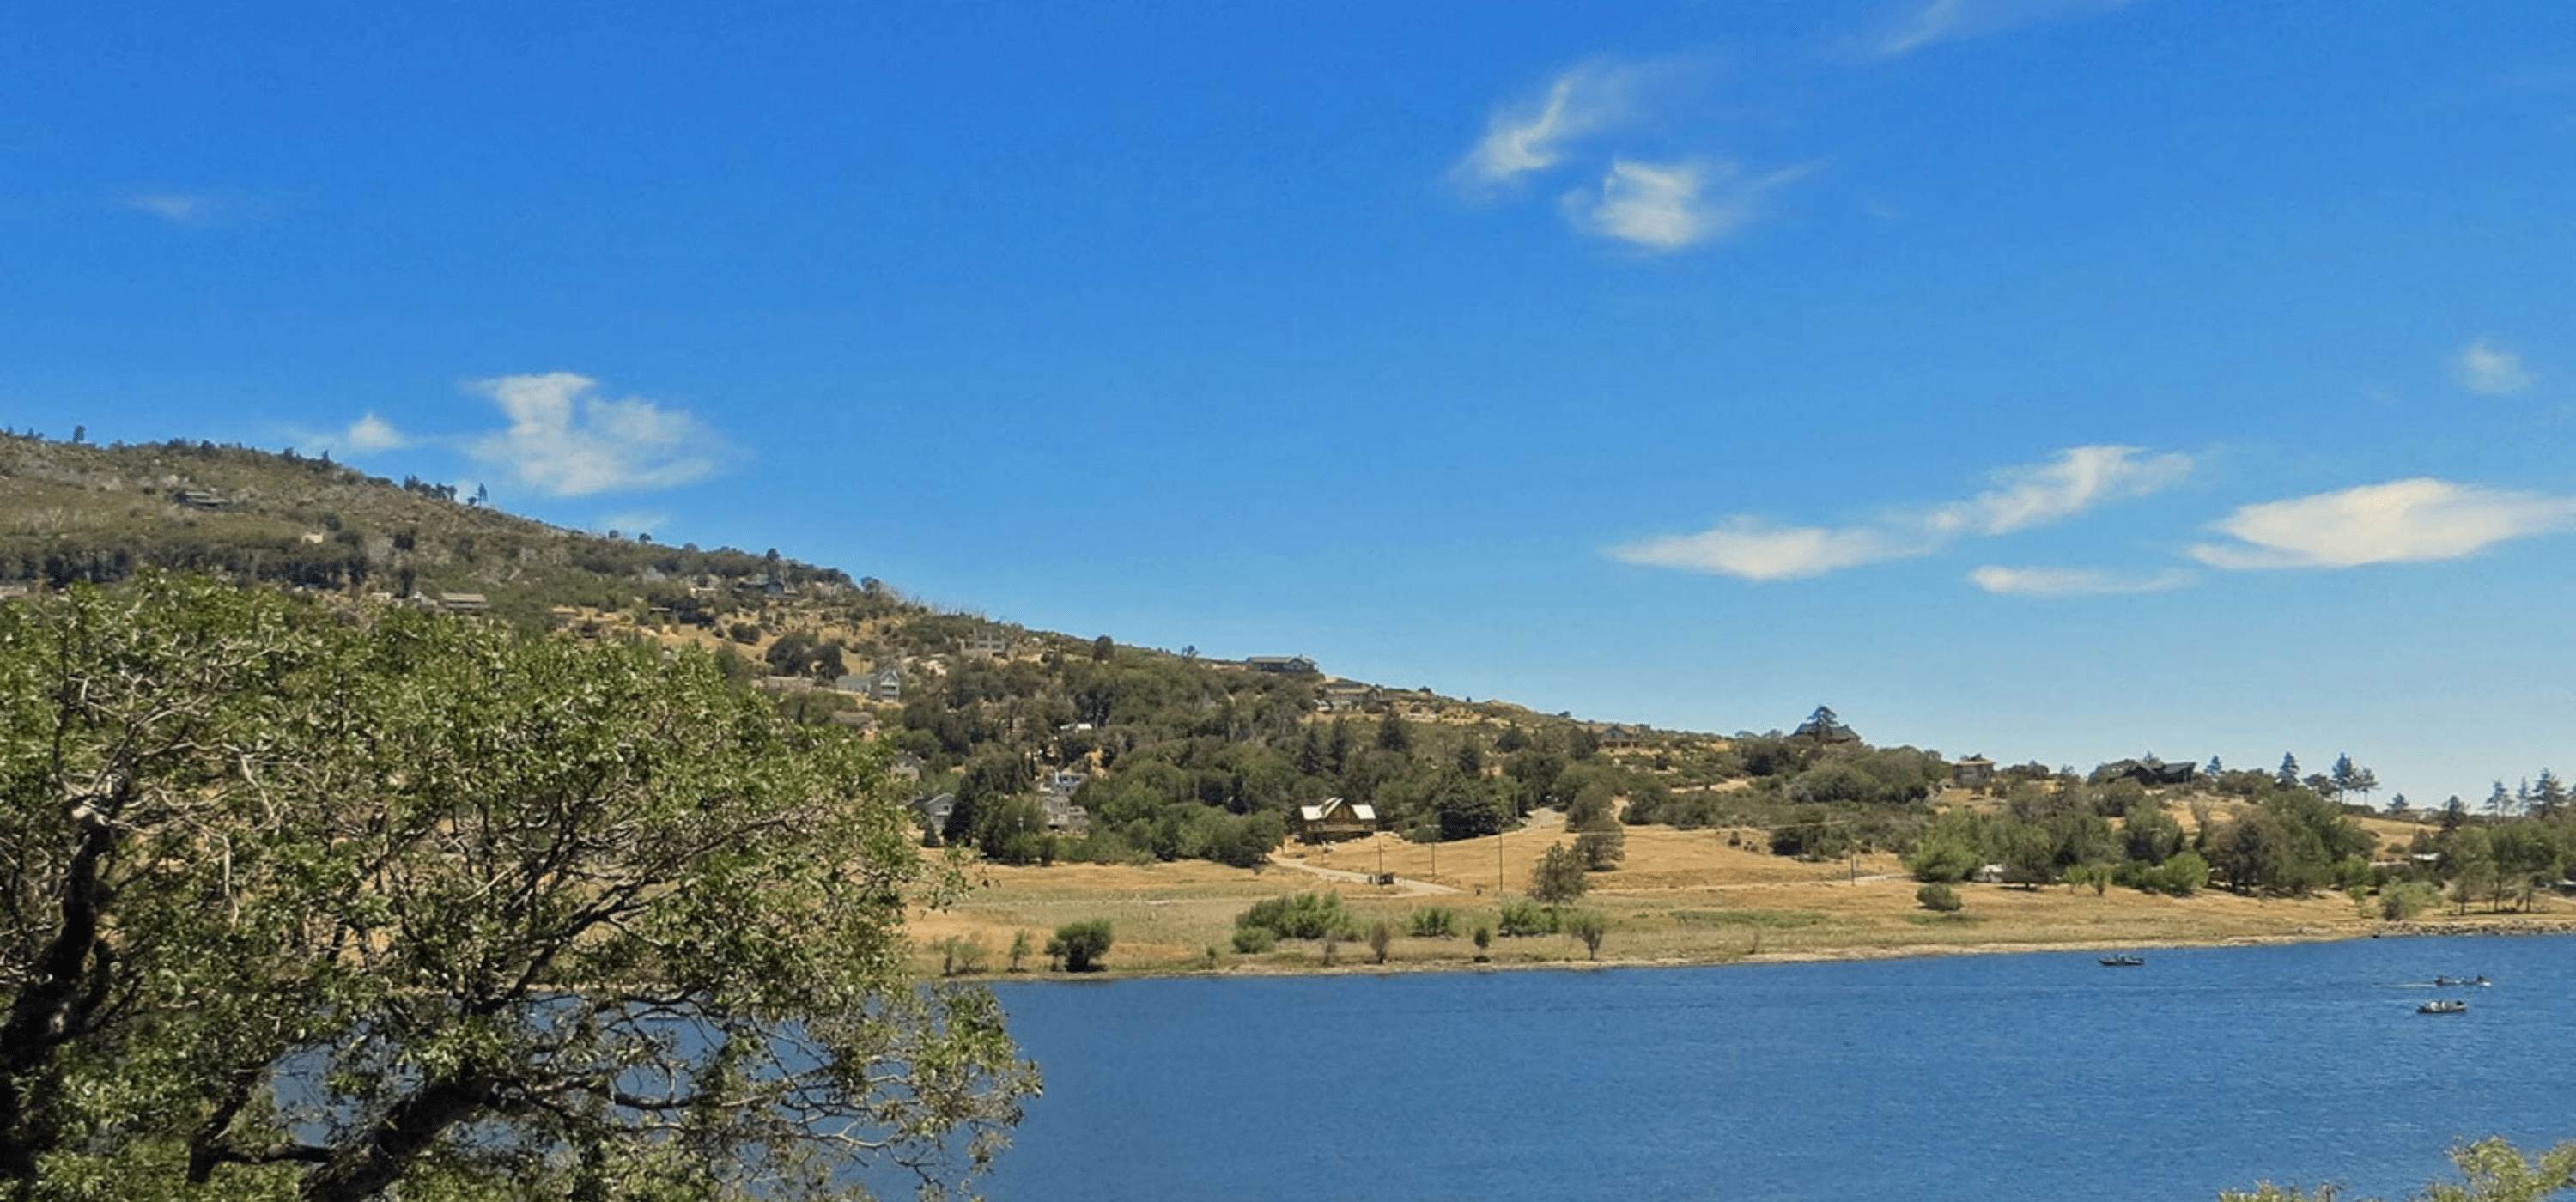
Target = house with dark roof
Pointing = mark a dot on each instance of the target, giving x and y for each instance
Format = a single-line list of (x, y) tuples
[(1286, 665), (2148, 771)]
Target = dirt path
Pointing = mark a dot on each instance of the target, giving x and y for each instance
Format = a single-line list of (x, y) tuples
[(1403, 887)]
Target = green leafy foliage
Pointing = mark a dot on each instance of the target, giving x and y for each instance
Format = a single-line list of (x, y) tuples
[(1588, 927), (1080, 946), (1557, 878), (1939, 898), (1522, 917), (2493, 1170), (464, 885), (1300, 916)]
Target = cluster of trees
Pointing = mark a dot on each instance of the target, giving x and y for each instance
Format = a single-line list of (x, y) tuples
[(2292, 834), (302, 905), (1189, 759), (2288, 841)]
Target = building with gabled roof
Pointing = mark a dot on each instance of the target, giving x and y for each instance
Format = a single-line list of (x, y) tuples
[(1333, 818)]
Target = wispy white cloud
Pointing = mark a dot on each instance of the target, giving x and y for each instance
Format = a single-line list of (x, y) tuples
[(373, 433), (1752, 548), (2078, 479), (1919, 25), (2403, 521), (173, 208), (1666, 207), (2074, 582), (1590, 118), (195, 209), (1536, 132), (566, 440), (2491, 369)]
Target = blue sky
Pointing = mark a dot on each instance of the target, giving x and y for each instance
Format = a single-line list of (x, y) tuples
[(2052, 379)]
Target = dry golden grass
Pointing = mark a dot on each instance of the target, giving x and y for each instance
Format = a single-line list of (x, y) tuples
[(1681, 897)]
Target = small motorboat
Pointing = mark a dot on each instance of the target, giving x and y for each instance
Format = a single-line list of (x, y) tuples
[(2123, 961), (2452, 1006), (2479, 982)]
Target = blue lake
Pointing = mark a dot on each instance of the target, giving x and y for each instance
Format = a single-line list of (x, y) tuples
[(1979, 1078)]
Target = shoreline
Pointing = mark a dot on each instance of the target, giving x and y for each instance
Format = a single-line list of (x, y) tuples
[(2508, 927)]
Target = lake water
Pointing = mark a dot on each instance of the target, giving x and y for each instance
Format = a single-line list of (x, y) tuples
[(1976, 1078)]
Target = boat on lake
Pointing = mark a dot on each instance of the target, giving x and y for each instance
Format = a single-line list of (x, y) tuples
[(2123, 961), (2453, 1006), (2478, 981)]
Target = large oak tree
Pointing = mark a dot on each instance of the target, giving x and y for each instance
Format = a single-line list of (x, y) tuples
[(305, 904)]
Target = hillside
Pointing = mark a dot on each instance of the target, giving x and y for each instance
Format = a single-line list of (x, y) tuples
[(1173, 756), (1179, 779)]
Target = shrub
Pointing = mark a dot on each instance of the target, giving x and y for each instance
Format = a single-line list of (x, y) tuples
[(1484, 940), (1939, 897), (1557, 877), (2401, 901), (1300, 916), (1252, 941), (1942, 859), (1381, 936), (961, 955), (1438, 922), (1601, 849), (2183, 875), (1590, 927), (1526, 917), (1078, 946)]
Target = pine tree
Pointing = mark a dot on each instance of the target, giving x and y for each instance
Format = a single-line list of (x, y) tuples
[(2548, 795)]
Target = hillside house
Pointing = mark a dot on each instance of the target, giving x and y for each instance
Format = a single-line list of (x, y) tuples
[(2148, 771), (884, 684), (1974, 772), (1284, 665), (933, 812), (464, 603), (1345, 696), (986, 644), (1333, 818), (1617, 737), (202, 498), (1063, 816)]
